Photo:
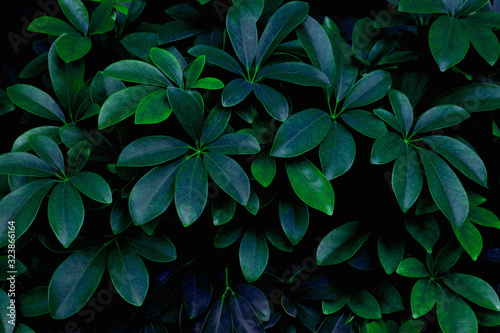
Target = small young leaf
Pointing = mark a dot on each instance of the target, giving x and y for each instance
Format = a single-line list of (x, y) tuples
[(153, 108), (412, 267)]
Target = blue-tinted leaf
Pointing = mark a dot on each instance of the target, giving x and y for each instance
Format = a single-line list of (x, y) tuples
[(138, 72), (92, 185), (441, 116), (151, 150), (168, 64), (370, 88), (253, 254), (235, 92), (25, 164), (48, 151), (242, 31), (35, 101), (188, 109), (337, 151), (407, 178), (274, 102), (235, 144), (295, 72), (215, 124), (217, 57), (197, 291), (294, 218)]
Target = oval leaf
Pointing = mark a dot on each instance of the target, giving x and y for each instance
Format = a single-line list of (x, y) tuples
[(151, 150), (253, 255)]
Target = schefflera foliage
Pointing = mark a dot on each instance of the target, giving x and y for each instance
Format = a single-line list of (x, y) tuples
[(210, 97)]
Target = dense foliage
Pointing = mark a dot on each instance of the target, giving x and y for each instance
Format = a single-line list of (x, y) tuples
[(176, 169)]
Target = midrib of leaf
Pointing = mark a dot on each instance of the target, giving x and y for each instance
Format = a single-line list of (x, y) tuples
[(122, 261)]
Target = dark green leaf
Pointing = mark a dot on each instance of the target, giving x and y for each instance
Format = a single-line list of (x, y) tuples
[(153, 109), (255, 6), (35, 302), (407, 178), (120, 218), (156, 247), (341, 243), (460, 156), (228, 175), (370, 88), (483, 217), (423, 297), (71, 47), (76, 13), (102, 19), (454, 314), (387, 148), (139, 43), (25, 164), (295, 72), (215, 124), (129, 274), (362, 39), (21, 144), (390, 253), (335, 304), (188, 109), (365, 305), (280, 24), (425, 6), (35, 101), (75, 281), (223, 209), (445, 187), (300, 133), (217, 57), (402, 108), (66, 212), (6, 320), (308, 316), (470, 238), (346, 71), (473, 97), (474, 289), (294, 218), (447, 257), (235, 92), (191, 190), (151, 150), (138, 72), (412, 267), (104, 86), (234, 144), (35, 67), (177, 30), (242, 31), (483, 39), (51, 26), (196, 291), (253, 255), (365, 123), (274, 102), (448, 41), (227, 235), (22, 205), (425, 231), (488, 317), (48, 151), (337, 151), (123, 104), (253, 203), (92, 185), (278, 239), (168, 64), (6, 104), (310, 185), (263, 168)]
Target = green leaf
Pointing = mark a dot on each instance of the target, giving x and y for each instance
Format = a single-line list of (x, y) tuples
[(119, 218), (177, 30), (341, 243), (253, 254), (470, 238), (235, 92), (274, 102), (256, 7), (151, 150), (425, 231), (35, 302), (334, 305), (75, 281), (310, 185), (217, 57), (370, 88), (92, 185), (102, 19), (191, 190), (390, 253), (387, 148), (483, 217), (35, 101), (441, 116), (263, 168), (454, 314), (48, 151), (315, 41), (194, 70), (227, 235), (129, 274), (22, 205), (448, 41), (402, 108), (153, 109), (215, 124), (362, 39), (294, 218), (209, 83), (365, 123), (483, 39), (223, 209), (280, 24), (423, 297), (407, 178), (473, 97), (25, 164), (295, 72), (34, 68), (242, 31), (337, 151), (156, 247), (6, 104), (412, 267), (300, 133), (76, 13), (460, 155), (363, 304), (234, 144), (51, 26), (140, 43), (228, 175), (138, 72), (168, 64), (388, 297), (422, 6), (346, 71), (104, 86), (21, 144), (188, 109), (445, 187), (66, 212), (122, 104), (474, 289), (71, 47), (447, 257)]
